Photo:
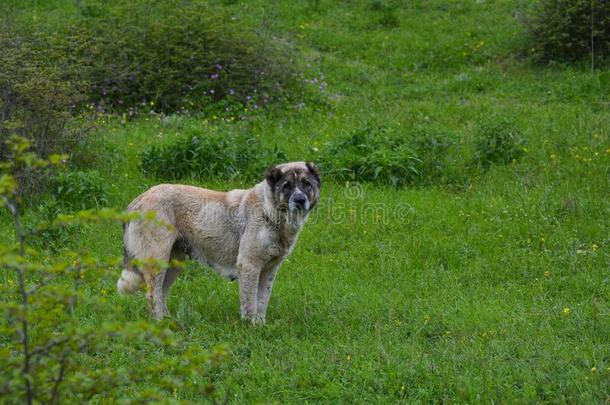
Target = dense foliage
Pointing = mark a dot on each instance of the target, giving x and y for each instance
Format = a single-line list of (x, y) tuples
[(174, 56), (37, 99), (209, 155), (498, 141), (569, 30), (396, 156)]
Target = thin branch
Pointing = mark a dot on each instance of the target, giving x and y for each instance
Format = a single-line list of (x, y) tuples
[(43, 350), (13, 207), (59, 379)]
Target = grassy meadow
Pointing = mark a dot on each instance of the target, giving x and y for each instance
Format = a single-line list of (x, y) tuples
[(492, 286)]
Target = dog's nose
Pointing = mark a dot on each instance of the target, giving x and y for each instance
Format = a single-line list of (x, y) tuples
[(300, 199)]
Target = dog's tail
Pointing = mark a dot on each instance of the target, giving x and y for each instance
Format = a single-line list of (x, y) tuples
[(131, 280)]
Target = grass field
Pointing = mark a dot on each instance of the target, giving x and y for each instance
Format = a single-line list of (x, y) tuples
[(493, 290)]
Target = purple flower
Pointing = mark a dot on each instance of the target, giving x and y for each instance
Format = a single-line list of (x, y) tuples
[(214, 76), (218, 66), (232, 92)]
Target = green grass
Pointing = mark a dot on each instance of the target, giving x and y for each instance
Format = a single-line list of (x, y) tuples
[(497, 290)]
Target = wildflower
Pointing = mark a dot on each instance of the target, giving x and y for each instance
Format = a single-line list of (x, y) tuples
[(593, 369), (231, 91), (547, 273), (214, 76), (566, 311), (218, 66), (553, 156), (594, 247)]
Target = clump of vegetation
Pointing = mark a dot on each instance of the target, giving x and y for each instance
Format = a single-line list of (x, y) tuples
[(80, 190), (568, 30), (432, 147), (209, 155), (498, 141), (174, 56), (371, 153), (36, 99), (47, 354), (385, 13)]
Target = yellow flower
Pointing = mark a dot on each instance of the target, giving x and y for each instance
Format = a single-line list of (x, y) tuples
[(566, 311), (547, 273), (553, 156), (593, 369)]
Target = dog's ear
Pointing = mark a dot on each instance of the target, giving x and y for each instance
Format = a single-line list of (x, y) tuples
[(273, 175), (313, 169)]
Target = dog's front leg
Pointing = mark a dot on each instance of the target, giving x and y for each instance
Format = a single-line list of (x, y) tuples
[(265, 285), (248, 275)]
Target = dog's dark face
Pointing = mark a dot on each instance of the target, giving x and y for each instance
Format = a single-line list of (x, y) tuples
[(295, 186)]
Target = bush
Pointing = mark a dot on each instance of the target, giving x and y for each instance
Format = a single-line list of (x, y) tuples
[(563, 30), (498, 141), (432, 147), (206, 156), (174, 55), (79, 190), (371, 153), (35, 99)]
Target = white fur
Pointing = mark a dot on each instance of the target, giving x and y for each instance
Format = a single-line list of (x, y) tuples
[(129, 282)]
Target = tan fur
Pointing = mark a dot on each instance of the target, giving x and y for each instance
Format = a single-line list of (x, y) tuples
[(243, 234)]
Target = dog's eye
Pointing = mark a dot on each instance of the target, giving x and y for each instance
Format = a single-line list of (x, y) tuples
[(306, 183), (286, 187)]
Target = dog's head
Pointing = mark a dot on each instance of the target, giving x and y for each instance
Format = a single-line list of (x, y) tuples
[(295, 186)]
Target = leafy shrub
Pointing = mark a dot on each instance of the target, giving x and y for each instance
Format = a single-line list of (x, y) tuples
[(567, 30), (371, 153), (498, 141), (207, 156), (36, 99), (174, 55), (432, 148), (79, 190)]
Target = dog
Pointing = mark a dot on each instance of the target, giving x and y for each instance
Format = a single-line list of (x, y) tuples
[(242, 234)]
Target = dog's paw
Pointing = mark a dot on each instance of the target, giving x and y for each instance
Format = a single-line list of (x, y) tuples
[(254, 319), (258, 320)]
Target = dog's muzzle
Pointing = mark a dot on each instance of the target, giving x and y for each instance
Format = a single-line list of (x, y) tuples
[(298, 201)]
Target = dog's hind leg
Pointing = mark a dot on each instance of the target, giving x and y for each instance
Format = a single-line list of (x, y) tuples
[(171, 274)]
